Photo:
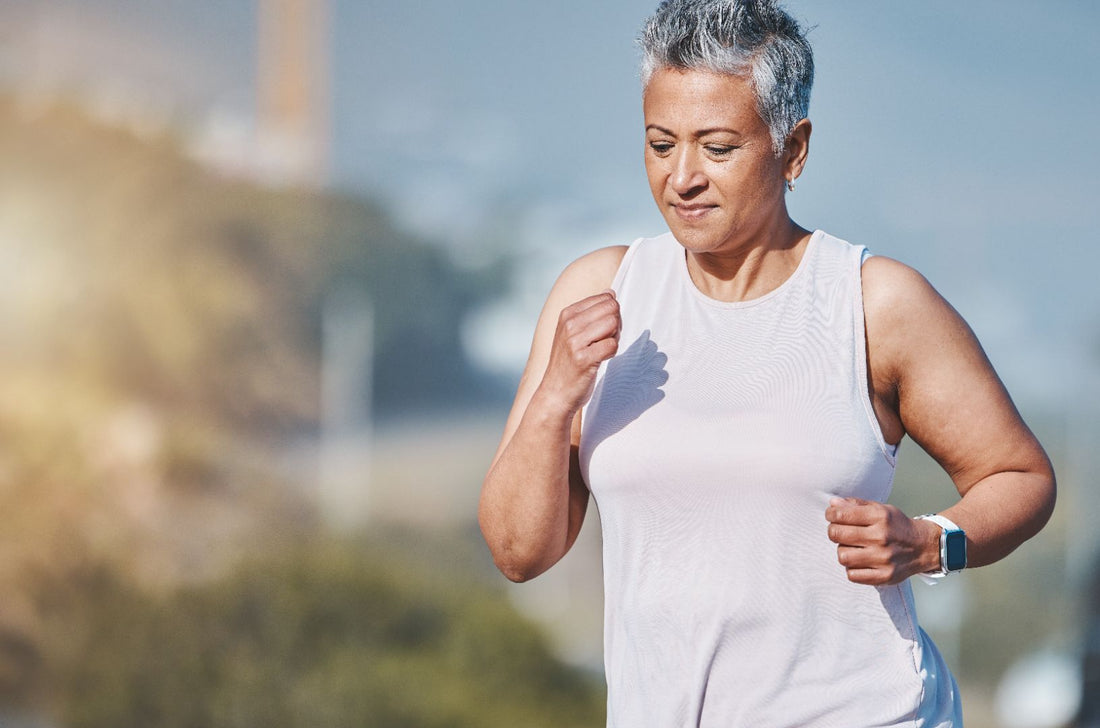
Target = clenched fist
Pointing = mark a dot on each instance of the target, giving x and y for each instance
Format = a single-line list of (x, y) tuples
[(587, 334), (877, 544)]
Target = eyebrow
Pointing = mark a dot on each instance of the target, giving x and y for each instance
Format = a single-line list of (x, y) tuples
[(699, 133)]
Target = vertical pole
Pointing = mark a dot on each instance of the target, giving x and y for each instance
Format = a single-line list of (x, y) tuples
[(293, 98), (346, 428)]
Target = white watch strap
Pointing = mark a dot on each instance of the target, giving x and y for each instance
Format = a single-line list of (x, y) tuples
[(933, 578), (941, 521)]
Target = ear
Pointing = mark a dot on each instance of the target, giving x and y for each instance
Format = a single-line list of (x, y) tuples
[(797, 149)]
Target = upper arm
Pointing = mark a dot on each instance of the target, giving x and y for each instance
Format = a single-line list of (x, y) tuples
[(586, 276), (945, 392)]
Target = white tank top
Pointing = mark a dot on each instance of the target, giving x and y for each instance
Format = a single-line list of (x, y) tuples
[(712, 444)]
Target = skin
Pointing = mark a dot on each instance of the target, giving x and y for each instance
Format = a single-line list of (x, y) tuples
[(720, 187)]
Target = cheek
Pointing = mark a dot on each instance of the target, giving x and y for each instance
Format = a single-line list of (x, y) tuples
[(759, 182)]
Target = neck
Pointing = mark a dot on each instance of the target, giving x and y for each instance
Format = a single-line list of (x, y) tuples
[(754, 269)]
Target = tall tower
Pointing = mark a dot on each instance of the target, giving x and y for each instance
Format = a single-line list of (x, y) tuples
[(293, 91)]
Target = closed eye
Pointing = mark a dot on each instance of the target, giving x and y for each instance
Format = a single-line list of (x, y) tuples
[(661, 148)]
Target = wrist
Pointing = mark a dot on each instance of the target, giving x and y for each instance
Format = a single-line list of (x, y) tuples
[(551, 408), (929, 558), (952, 545)]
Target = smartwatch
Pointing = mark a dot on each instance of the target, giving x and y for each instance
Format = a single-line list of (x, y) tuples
[(952, 546)]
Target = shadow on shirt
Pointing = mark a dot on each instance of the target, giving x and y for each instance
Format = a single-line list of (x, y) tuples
[(631, 384)]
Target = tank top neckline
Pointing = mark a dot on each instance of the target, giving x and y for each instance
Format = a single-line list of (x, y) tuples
[(685, 277)]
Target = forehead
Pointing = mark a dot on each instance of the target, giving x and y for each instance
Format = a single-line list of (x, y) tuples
[(686, 100)]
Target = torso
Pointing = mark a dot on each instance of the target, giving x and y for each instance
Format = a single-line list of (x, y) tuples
[(882, 383), (712, 444)]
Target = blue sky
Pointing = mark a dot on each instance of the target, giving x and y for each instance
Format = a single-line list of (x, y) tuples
[(956, 137)]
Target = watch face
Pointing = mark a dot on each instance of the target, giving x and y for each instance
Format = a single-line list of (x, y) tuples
[(956, 550)]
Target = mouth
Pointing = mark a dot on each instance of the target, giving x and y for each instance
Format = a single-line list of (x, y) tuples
[(692, 212)]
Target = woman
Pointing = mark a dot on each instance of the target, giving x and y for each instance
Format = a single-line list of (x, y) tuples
[(732, 394)]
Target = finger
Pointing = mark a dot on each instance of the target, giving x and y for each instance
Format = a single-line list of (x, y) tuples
[(587, 348), (870, 577), (594, 331), (850, 500), (848, 535), (576, 321), (604, 348), (859, 557), (865, 513), (586, 303)]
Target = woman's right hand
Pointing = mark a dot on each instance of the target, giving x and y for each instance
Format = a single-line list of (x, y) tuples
[(534, 499), (586, 335)]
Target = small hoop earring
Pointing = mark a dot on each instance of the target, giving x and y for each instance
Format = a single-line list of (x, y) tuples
[(790, 185)]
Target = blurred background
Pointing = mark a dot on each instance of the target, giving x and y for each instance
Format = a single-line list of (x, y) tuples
[(269, 270)]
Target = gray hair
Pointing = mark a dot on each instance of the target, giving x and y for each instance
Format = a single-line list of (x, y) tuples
[(754, 38)]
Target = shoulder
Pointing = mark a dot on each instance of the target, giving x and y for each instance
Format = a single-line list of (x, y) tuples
[(905, 316), (589, 274), (893, 290)]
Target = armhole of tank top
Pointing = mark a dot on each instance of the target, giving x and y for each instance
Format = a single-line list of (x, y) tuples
[(864, 384), (616, 285), (624, 264)]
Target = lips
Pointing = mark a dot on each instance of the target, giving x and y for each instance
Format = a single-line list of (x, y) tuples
[(692, 212)]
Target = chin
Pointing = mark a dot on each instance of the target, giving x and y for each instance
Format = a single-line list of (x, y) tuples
[(695, 241)]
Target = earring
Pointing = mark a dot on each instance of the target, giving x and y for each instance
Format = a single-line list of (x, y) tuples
[(790, 185)]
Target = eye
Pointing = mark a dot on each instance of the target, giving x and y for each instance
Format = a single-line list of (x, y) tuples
[(660, 148), (719, 150)]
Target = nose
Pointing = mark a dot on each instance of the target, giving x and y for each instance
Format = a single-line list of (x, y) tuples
[(688, 178)]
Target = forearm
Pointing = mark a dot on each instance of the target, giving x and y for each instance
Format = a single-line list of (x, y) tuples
[(1002, 511), (878, 544), (524, 511)]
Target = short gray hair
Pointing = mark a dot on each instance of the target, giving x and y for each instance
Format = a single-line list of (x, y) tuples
[(754, 38)]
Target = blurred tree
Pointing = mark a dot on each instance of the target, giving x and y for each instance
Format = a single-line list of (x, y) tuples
[(323, 636), (157, 277), (160, 351)]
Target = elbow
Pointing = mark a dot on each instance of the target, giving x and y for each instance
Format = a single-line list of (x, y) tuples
[(1049, 492), (1039, 498), (516, 567), (516, 573), (514, 562)]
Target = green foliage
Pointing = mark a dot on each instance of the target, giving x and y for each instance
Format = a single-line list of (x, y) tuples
[(321, 636), (161, 352)]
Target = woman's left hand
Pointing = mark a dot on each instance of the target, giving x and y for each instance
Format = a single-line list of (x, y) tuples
[(878, 544)]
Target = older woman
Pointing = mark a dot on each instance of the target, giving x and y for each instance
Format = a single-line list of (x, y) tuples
[(732, 394)]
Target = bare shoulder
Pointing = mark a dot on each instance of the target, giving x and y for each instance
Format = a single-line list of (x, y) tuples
[(893, 291), (902, 310), (589, 274), (912, 330)]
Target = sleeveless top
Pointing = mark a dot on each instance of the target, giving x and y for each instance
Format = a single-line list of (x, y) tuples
[(712, 444)]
